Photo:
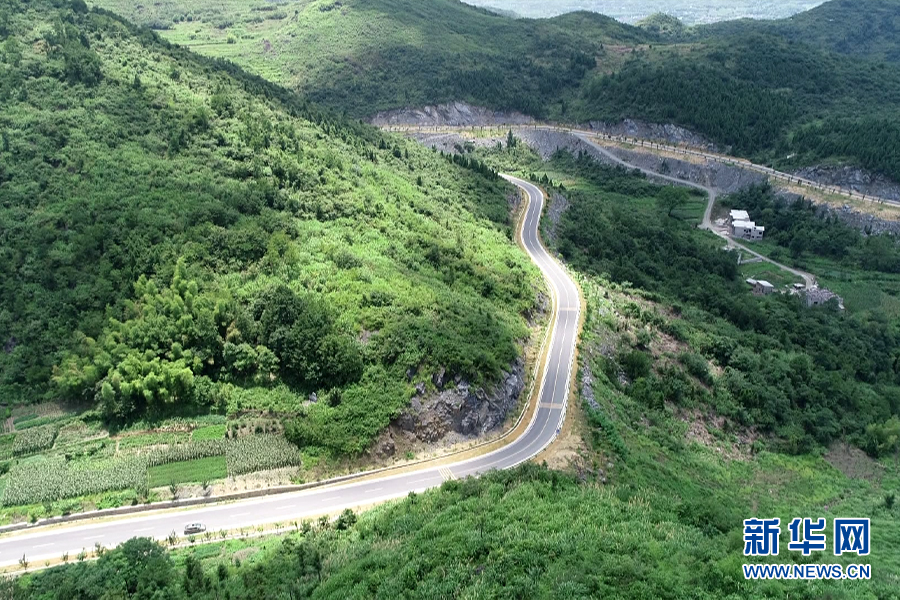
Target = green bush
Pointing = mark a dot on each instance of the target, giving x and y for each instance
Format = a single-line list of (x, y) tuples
[(636, 364), (696, 365)]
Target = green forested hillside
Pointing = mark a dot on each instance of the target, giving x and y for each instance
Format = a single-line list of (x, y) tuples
[(775, 100), (363, 56), (864, 28), (791, 92), (668, 464), (808, 378), (708, 406), (177, 236)]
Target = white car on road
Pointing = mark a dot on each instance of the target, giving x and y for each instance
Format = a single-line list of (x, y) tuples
[(194, 528)]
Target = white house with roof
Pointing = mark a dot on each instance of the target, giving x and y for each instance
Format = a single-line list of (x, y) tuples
[(747, 230), (743, 228)]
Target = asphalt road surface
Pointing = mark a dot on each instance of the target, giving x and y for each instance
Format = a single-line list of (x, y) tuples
[(52, 543)]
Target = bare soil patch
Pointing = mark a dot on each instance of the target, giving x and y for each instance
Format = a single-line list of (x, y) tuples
[(853, 462)]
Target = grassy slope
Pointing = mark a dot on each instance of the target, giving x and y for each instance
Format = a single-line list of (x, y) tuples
[(365, 56), (163, 155), (752, 86)]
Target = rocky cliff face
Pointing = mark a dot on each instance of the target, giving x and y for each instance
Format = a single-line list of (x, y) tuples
[(662, 133), (853, 178), (558, 204), (866, 223), (456, 410), (724, 178), (455, 113)]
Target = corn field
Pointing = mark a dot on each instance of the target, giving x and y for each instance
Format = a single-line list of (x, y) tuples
[(259, 453), (189, 451), (53, 479), (34, 440)]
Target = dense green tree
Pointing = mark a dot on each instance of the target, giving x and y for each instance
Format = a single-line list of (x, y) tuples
[(301, 332), (139, 569), (672, 198)]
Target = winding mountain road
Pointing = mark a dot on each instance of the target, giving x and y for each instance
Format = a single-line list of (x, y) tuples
[(51, 543)]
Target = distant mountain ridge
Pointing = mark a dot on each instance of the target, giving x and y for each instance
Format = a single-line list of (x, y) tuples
[(863, 28), (633, 11), (791, 92)]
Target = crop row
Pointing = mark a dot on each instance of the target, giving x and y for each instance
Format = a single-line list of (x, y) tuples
[(34, 440), (189, 451), (53, 479), (260, 452)]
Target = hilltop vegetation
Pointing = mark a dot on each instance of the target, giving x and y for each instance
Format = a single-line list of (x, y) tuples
[(861, 28), (363, 56), (630, 11), (791, 92), (179, 237), (777, 101)]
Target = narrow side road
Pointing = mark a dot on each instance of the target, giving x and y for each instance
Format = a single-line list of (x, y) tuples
[(647, 143), (552, 398), (808, 278)]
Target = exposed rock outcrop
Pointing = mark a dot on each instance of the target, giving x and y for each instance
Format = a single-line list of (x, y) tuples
[(868, 224), (555, 209), (658, 132), (723, 177), (853, 178), (587, 385), (457, 411), (454, 113)]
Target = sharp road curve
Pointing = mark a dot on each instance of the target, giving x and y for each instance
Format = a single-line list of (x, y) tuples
[(51, 543)]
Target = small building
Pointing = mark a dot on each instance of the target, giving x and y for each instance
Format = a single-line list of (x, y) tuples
[(760, 287), (763, 288), (747, 230), (740, 215), (816, 296)]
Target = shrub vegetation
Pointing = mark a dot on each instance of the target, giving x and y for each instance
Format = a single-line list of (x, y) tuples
[(180, 237)]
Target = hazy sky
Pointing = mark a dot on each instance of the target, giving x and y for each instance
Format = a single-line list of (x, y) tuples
[(689, 11)]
